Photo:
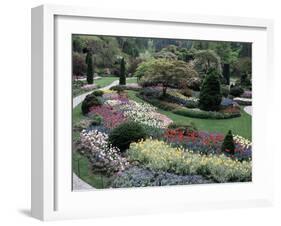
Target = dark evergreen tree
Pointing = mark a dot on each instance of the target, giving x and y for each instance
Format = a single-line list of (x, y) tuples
[(210, 94), (228, 145), (226, 73), (122, 79), (90, 69)]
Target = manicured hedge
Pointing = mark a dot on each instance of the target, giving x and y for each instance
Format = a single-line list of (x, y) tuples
[(164, 105), (196, 113)]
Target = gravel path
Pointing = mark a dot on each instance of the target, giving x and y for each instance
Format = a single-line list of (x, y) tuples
[(248, 109), (79, 185)]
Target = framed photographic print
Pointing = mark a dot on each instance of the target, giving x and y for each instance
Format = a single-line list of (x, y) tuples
[(135, 112)]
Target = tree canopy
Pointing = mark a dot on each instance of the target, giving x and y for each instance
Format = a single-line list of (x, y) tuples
[(168, 73)]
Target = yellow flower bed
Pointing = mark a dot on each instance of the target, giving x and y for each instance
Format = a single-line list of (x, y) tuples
[(158, 155)]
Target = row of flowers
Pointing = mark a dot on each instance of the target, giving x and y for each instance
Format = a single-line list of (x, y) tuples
[(158, 155), (207, 142), (116, 109)]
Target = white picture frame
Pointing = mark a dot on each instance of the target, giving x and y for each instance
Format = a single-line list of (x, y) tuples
[(52, 197)]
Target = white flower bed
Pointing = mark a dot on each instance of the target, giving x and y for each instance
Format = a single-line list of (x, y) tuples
[(142, 113), (102, 155), (245, 143)]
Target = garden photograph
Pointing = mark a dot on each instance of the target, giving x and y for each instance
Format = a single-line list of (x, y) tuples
[(160, 112)]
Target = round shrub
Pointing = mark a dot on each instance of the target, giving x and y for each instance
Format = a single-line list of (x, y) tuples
[(89, 101), (97, 93), (210, 94), (236, 91), (126, 133)]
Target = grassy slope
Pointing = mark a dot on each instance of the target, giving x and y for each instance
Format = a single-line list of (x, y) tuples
[(105, 81), (241, 126)]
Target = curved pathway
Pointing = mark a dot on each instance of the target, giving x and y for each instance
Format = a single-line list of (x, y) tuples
[(77, 100), (248, 109)]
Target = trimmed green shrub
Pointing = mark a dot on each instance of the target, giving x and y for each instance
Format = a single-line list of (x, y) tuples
[(97, 93), (89, 101), (197, 113), (126, 133), (210, 94), (90, 69), (122, 80), (164, 105), (228, 145), (236, 91)]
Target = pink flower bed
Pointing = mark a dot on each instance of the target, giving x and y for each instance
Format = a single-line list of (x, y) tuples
[(111, 117)]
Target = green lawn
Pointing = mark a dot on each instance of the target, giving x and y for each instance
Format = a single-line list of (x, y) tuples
[(82, 169), (102, 82), (131, 80), (105, 81), (241, 125)]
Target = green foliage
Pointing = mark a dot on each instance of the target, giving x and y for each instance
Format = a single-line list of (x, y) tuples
[(90, 69), (197, 113), (167, 106), (118, 88), (226, 73), (226, 51), (243, 65), (236, 91), (96, 120), (228, 145), (210, 94), (186, 92), (89, 101), (79, 66), (125, 134), (224, 90), (97, 93), (168, 73), (206, 60), (122, 80)]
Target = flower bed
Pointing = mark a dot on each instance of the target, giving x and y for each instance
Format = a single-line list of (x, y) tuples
[(140, 112), (157, 155), (142, 177), (104, 157), (207, 143), (111, 117)]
